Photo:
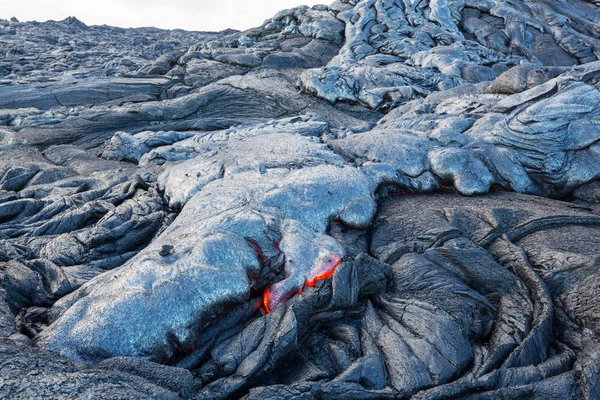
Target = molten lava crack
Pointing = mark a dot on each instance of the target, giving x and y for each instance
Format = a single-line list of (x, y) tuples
[(325, 272), (334, 261)]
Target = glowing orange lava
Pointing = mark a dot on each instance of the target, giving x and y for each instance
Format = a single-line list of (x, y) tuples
[(266, 301), (312, 282), (325, 275)]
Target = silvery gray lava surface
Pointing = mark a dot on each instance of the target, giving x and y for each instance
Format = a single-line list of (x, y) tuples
[(376, 199)]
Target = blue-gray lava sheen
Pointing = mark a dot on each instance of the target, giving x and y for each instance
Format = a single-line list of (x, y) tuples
[(376, 199)]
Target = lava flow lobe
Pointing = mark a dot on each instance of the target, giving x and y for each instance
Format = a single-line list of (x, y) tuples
[(277, 295)]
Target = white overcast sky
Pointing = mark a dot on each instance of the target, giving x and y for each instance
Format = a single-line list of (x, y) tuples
[(199, 15)]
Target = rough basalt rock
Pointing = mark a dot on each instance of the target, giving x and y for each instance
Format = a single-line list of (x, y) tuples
[(29, 373), (375, 199)]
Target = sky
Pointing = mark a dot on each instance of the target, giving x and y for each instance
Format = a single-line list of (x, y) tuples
[(198, 15)]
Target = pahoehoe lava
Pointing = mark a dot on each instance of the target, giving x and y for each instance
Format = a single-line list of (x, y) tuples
[(376, 199)]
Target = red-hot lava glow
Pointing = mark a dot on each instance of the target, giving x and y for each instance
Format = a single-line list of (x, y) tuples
[(312, 282), (266, 301), (328, 273)]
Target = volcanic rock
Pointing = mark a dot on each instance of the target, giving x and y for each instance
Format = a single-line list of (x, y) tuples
[(376, 199)]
